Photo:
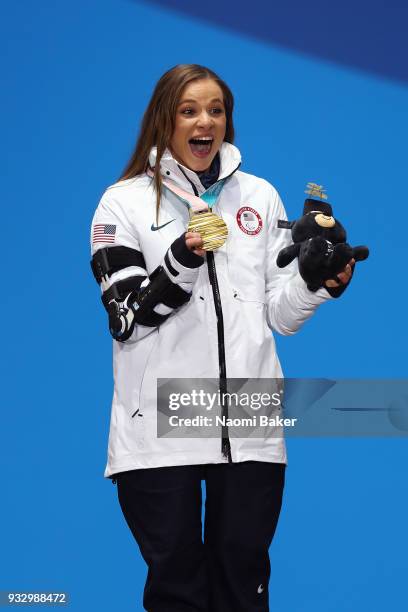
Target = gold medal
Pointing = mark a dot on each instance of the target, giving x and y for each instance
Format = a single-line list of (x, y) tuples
[(212, 229)]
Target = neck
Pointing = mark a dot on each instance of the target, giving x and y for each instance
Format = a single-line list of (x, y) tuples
[(210, 176)]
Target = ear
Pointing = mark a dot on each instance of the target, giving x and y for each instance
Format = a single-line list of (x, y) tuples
[(360, 253), (287, 255)]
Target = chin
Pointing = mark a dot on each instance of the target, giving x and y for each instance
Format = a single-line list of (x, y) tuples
[(202, 167), (199, 165)]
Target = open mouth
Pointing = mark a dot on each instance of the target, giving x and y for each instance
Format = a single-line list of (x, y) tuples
[(200, 147)]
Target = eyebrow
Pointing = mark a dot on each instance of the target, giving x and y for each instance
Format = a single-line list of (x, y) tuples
[(195, 101)]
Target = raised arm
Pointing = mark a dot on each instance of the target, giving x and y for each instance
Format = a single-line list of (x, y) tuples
[(136, 302)]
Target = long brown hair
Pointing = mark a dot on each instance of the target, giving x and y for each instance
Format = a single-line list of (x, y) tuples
[(158, 121)]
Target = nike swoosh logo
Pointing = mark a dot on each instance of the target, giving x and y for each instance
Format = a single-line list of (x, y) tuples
[(260, 589), (154, 228)]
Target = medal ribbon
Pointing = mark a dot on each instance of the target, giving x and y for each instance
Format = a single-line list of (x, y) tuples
[(212, 194), (197, 204)]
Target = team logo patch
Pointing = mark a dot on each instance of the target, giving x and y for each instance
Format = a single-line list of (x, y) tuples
[(249, 220)]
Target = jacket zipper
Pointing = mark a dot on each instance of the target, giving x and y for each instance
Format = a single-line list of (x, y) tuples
[(212, 273)]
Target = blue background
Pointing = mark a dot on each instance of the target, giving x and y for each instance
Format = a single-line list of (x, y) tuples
[(321, 95)]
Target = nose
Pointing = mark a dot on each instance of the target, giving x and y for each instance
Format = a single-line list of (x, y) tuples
[(204, 119)]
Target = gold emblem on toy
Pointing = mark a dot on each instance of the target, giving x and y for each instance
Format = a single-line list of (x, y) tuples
[(212, 229)]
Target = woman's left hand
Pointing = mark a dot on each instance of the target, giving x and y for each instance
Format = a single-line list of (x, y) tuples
[(342, 278)]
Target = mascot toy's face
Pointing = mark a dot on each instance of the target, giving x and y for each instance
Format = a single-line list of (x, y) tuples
[(315, 224), (324, 220)]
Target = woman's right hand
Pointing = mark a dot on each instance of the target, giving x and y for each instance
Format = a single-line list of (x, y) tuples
[(194, 242)]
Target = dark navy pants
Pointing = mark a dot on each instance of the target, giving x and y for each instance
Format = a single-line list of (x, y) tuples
[(230, 570)]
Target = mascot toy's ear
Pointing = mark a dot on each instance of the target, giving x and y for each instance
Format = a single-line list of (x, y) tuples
[(360, 253), (287, 255)]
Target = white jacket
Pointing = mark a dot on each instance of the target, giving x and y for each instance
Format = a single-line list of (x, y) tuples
[(256, 298)]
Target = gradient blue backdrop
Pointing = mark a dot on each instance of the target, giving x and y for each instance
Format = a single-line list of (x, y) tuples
[(76, 77)]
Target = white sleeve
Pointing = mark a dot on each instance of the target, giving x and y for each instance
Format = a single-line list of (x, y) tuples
[(289, 301)]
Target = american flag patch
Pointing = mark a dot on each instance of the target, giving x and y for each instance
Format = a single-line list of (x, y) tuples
[(103, 233)]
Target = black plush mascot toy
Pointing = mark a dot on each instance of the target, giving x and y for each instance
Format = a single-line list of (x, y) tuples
[(319, 243)]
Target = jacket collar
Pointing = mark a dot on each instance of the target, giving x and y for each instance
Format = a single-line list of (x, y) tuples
[(230, 159)]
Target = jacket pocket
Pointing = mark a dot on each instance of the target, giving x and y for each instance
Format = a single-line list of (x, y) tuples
[(130, 365), (145, 369), (246, 270)]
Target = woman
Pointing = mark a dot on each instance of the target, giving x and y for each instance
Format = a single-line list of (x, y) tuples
[(177, 310)]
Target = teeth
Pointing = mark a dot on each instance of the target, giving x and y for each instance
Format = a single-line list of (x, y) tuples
[(203, 138)]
